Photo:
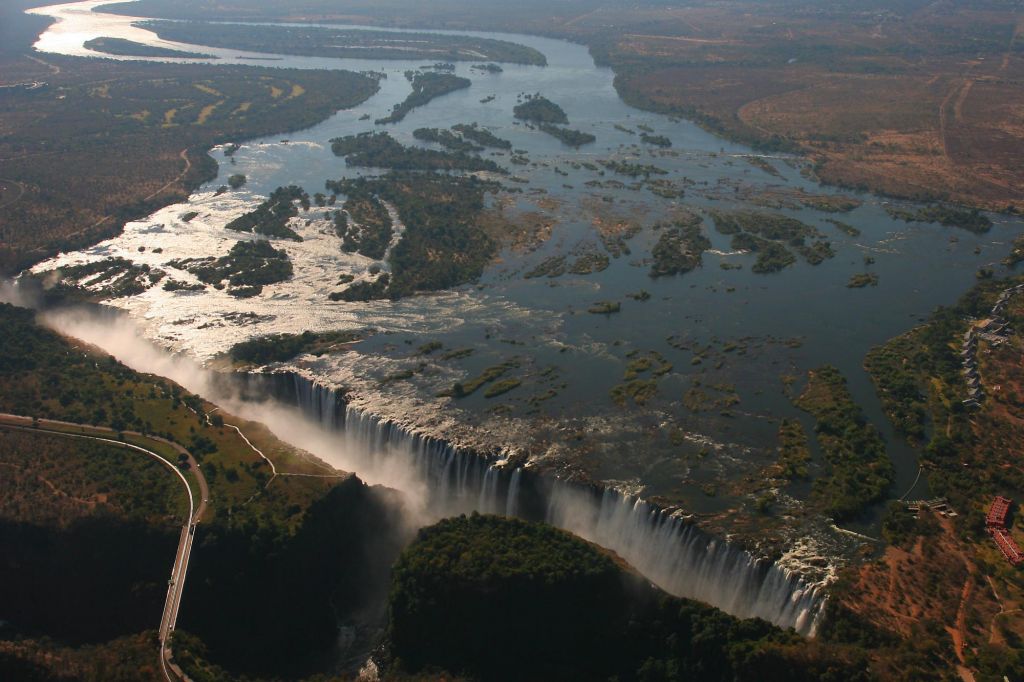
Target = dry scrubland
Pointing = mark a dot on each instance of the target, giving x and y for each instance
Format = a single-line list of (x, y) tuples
[(104, 142), (910, 98)]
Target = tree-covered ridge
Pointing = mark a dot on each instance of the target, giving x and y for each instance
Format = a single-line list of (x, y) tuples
[(425, 87), (539, 109), (316, 41), (859, 469), (271, 217), (572, 612), (442, 245), (380, 150)]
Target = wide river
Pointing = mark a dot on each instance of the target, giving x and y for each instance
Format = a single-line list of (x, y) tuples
[(783, 324)]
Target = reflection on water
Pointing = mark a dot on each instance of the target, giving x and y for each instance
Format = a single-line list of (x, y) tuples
[(782, 324)]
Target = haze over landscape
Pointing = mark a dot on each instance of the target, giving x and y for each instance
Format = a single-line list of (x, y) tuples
[(565, 340)]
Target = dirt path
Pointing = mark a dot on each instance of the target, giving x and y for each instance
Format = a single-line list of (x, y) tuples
[(181, 176), (54, 69), (21, 192)]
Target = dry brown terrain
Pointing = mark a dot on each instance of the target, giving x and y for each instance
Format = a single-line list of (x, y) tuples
[(923, 104)]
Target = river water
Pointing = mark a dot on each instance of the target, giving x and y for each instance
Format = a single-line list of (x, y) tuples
[(757, 329)]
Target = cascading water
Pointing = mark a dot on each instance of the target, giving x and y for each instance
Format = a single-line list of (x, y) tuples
[(675, 555)]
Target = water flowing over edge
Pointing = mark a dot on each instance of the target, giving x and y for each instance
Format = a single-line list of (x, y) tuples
[(663, 546)]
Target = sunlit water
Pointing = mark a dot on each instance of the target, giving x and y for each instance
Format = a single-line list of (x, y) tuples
[(542, 321)]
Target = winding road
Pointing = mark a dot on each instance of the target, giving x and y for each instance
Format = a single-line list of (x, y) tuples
[(176, 584)]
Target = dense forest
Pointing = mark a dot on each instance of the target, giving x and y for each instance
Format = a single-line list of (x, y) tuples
[(336, 532), (541, 585), (442, 246)]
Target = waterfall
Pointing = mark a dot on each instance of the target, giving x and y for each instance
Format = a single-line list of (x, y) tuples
[(672, 553)]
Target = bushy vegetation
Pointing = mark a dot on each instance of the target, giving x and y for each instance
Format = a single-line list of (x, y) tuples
[(860, 471), (919, 381), (446, 139), (247, 264), (380, 150), (107, 574), (794, 453), (481, 136), (271, 217), (860, 280), (108, 278), (971, 220), (264, 350), (425, 87), (768, 235), (442, 245), (656, 140), (573, 612), (539, 109), (369, 231), (633, 170), (680, 248), (568, 136)]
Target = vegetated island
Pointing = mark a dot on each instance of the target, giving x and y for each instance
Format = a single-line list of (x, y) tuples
[(444, 244), (481, 136), (680, 247), (312, 41), (971, 220), (130, 48), (446, 139), (539, 109), (425, 87), (247, 267), (568, 136), (271, 217), (380, 150), (768, 235)]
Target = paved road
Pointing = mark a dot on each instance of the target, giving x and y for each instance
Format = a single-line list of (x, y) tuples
[(176, 584)]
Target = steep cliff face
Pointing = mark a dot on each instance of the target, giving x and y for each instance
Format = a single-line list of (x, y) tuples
[(495, 598), (265, 604), (666, 548)]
